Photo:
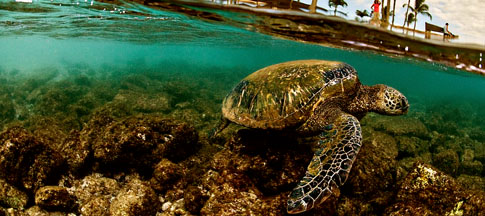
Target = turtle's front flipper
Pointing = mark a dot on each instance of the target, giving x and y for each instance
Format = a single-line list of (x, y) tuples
[(339, 144)]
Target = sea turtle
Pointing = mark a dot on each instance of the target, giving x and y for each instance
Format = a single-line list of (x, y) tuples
[(313, 98)]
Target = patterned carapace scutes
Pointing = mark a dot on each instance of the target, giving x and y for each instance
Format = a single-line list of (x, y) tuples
[(281, 95), (330, 166), (313, 97)]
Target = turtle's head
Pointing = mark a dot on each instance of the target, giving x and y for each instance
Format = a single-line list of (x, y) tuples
[(390, 101)]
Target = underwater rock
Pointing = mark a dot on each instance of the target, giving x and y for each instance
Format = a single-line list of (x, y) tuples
[(58, 97), (11, 196), (253, 174), (47, 130), (139, 82), (231, 194), (164, 174), (76, 151), (27, 163), (408, 209), (175, 208), (135, 198), (54, 198), (234, 194), (194, 199), (141, 102), (95, 186), (7, 109), (147, 137), (273, 161), (411, 146), (98, 206), (476, 133), (407, 164), (348, 205), (38, 211), (479, 151), (471, 167), (426, 190), (373, 176), (447, 161), (472, 182), (397, 126), (84, 106), (468, 155), (455, 143), (202, 121), (77, 147), (180, 90), (436, 122)]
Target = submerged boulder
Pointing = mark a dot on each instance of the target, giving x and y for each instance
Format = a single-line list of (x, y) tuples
[(38, 211), (371, 182), (142, 141), (231, 193), (135, 198), (94, 194), (426, 190), (54, 198), (12, 197), (165, 174), (273, 161), (7, 109), (76, 150), (397, 126), (447, 161), (26, 162), (141, 101), (251, 176)]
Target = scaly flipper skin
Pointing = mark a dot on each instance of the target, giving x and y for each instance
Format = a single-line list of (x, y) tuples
[(337, 149)]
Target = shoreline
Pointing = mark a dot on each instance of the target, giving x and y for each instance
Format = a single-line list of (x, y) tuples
[(335, 32)]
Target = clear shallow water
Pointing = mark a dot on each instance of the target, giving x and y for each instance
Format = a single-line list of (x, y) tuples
[(92, 54)]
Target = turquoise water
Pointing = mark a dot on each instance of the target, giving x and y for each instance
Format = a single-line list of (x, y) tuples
[(69, 59)]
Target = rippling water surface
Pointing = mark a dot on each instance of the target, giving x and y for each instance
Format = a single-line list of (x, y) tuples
[(68, 59)]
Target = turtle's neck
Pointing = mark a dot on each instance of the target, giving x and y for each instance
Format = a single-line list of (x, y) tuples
[(364, 101)]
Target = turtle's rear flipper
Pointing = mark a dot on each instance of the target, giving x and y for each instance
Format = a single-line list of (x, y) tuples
[(223, 123), (338, 146)]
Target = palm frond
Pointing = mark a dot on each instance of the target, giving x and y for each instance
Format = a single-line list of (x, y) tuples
[(428, 14), (342, 13)]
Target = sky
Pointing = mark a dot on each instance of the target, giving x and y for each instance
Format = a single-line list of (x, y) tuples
[(466, 18)]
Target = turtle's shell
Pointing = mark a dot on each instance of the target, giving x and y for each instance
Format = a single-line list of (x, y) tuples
[(284, 95)]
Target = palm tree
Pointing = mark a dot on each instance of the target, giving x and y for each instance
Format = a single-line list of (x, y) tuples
[(406, 15), (393, 13), (420, 8), (362, 14), (336, 3), (385, 12), (409, 20)]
